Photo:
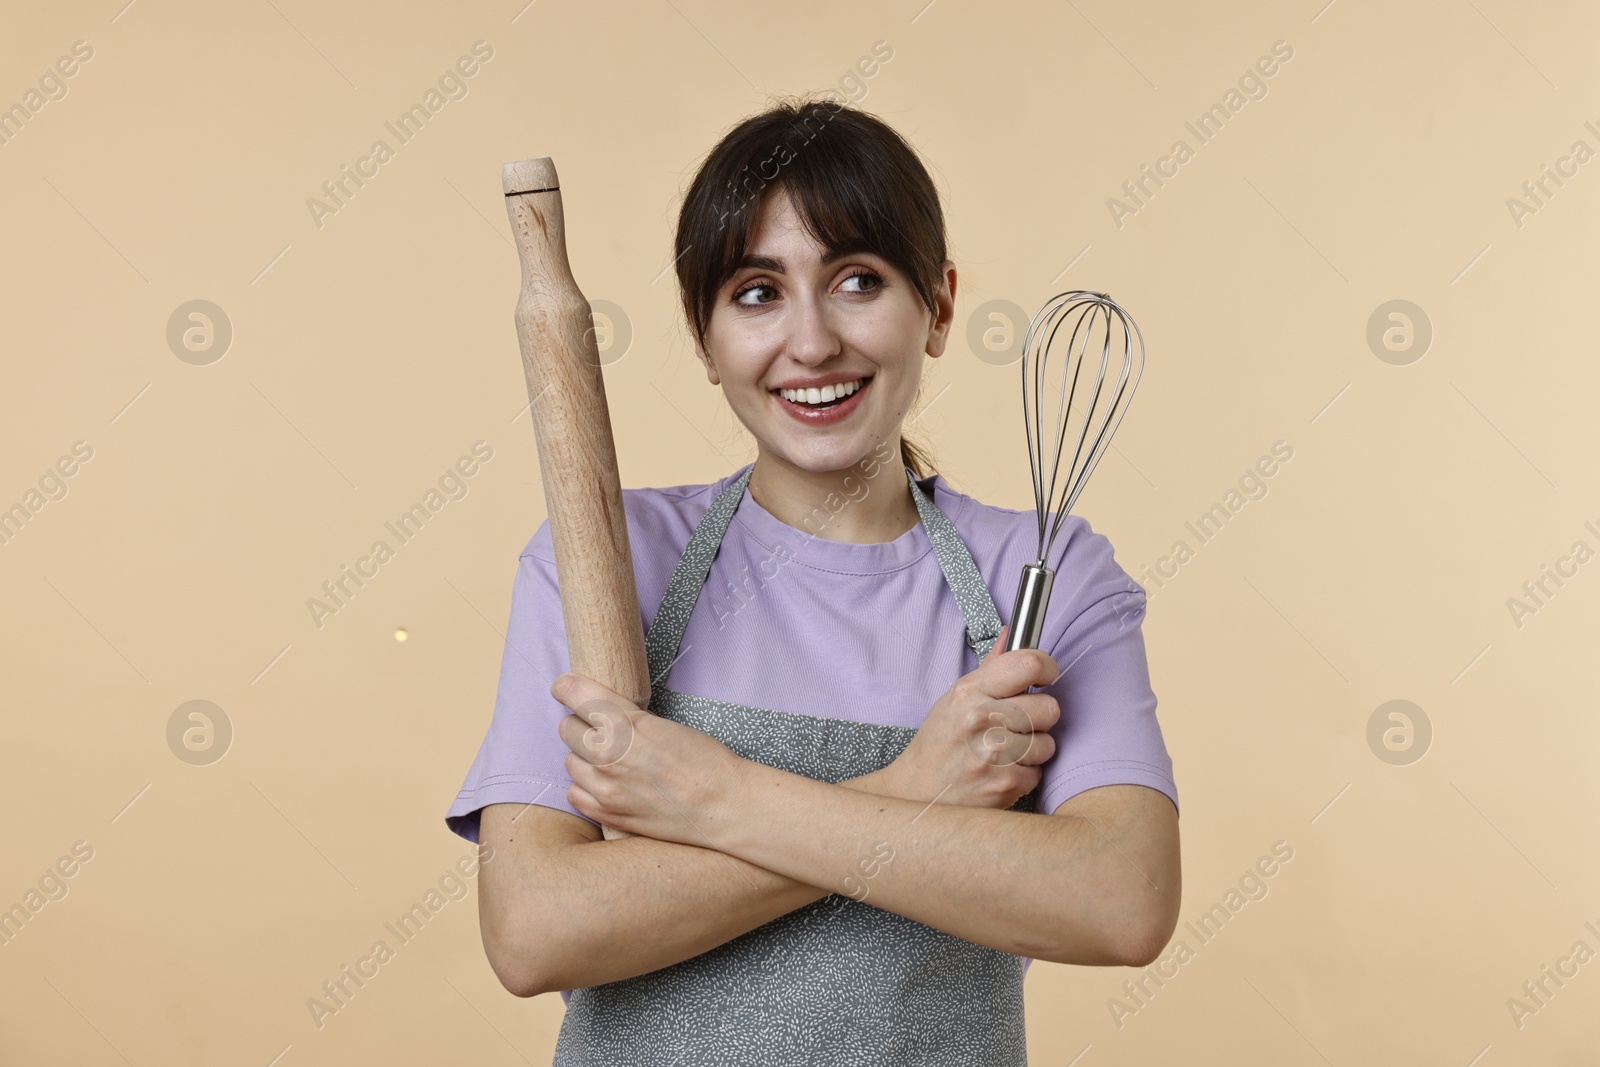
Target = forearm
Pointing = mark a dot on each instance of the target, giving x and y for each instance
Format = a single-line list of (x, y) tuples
[(615, 909), (1035, 885)]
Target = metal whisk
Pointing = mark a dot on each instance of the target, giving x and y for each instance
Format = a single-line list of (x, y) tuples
[(1084, 424)]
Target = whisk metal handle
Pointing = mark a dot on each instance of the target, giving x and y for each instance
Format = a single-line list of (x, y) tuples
[(1027, 617)]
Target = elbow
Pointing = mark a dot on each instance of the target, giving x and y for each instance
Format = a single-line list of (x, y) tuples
[(513, 962), (520, 988), (1132, 934), (516, 976), (1147, 933), (521, 984), (1143, 952)]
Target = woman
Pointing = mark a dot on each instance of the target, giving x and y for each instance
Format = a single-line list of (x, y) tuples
[(854, 823)]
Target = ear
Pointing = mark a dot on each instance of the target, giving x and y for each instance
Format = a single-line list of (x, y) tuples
[(705, 360), (701, 354), (944, 312)]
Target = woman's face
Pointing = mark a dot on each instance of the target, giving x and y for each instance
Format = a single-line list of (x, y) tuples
[(794, 326)]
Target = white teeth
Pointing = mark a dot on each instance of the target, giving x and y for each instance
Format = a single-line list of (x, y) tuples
[(821, 396)]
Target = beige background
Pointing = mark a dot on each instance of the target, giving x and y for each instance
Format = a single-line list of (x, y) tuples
[(371, 352)]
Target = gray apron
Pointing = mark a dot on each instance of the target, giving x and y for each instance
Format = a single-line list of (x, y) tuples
[(837, 981)]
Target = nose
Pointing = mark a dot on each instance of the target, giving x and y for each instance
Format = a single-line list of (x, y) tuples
[(812, 337)]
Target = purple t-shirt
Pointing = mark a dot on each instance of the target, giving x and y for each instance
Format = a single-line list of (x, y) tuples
[(871, 632)]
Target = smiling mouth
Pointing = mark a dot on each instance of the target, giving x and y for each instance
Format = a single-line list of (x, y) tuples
[(826, 397)]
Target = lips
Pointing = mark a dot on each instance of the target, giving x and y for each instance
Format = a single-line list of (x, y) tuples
[(812, 396), (822, 414)]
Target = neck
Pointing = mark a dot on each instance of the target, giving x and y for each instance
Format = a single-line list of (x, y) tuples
[(842, 505)]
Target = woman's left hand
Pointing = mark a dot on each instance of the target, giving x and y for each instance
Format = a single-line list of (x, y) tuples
[(639, 773)]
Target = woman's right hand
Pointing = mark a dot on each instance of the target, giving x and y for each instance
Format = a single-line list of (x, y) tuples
[(982, 743)]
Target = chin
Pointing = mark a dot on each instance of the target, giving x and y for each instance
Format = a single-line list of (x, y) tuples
[(835, 458)]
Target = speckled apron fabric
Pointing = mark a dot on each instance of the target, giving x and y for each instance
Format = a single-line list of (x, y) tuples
[(837, 981)]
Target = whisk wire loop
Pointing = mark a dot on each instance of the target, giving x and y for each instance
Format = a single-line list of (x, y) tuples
[(1088, 424)]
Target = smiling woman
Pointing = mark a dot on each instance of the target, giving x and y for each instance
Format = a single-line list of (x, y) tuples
[(854, 730), (848, 183)]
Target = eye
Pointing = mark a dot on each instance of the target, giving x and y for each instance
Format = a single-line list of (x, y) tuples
[(865, 281), (740, 296)]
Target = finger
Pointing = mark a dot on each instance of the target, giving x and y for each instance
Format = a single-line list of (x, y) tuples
[(1000, 713), (598, 732), (1013, 672), (1040, 747), (1024, 713), (1041, 710), (999, 646), (575, 691), (584, 801), (611, 715), (575, 731), (1000, 747), (571, 729), (576, 768)]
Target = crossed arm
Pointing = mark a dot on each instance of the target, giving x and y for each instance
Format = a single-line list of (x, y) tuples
[(1096, 883)]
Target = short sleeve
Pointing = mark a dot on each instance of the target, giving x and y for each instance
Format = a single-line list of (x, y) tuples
[(1107, 733), (522, 759)]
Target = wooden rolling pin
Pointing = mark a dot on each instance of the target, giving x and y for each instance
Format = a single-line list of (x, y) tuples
[(577, 456)]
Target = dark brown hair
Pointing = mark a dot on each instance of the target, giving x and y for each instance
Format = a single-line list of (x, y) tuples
[(854, 181)]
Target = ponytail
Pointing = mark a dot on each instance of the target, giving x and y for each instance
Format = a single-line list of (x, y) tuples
[(914, 457)]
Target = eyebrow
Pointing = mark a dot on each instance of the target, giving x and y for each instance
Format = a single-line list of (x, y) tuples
[(830, 255)]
